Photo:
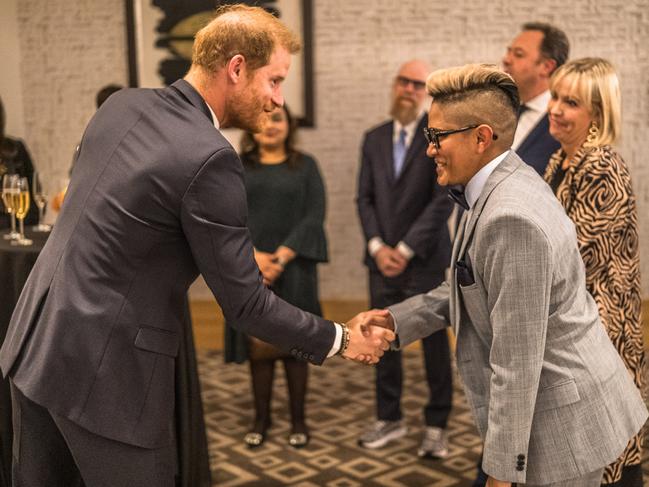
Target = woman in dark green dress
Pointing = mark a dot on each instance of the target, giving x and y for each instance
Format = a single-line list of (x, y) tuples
[(286, 208)]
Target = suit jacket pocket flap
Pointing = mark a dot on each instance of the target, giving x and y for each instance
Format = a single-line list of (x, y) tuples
[(158, 341), (557, 395)]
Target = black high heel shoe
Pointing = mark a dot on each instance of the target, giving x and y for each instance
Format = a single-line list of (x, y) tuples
[(254, 439), (257, 436), (298, 440), (299, 437)]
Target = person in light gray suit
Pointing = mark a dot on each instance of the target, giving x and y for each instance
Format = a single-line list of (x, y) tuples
[(550, 396), (157, 196)]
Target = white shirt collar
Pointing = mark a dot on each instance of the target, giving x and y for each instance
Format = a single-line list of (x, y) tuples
[(214, 119), (476, 184)]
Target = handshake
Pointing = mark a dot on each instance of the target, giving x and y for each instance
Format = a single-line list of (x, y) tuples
[(370, 335)]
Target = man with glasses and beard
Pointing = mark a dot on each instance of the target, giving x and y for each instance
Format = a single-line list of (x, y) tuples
[(404, 216)]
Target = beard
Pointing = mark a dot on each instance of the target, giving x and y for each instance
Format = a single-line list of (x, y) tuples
[(246, 111), (404, 110)]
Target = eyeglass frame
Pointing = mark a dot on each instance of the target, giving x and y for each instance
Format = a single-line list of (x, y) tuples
[(432, 135), (404, 81)]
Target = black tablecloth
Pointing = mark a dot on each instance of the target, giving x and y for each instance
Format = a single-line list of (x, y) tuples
[(193, 459)]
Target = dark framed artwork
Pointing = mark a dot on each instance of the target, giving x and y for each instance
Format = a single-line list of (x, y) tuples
[(161, 32)]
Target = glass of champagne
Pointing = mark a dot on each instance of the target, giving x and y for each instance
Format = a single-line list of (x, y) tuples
[(20, 208), (40, 200), (8, 187)]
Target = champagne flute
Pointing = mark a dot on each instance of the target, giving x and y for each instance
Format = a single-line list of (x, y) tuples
[(21, 207), (40, 199), (8, 183)]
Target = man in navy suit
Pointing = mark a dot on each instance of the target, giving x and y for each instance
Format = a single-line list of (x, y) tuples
[(404, 216), (531, 59), (157, 196)]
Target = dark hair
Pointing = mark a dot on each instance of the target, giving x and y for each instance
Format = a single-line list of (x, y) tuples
[(8, 148), (105, 92), (555, 44), (250, 147)]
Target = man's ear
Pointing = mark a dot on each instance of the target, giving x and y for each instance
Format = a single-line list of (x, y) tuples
[(236, 68), (484, 137), (549, 65)]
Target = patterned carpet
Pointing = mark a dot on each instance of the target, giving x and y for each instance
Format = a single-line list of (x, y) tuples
[(339, 406)]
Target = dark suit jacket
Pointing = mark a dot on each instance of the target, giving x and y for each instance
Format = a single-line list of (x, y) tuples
[(538, 146), (156, 196), (412, 207)]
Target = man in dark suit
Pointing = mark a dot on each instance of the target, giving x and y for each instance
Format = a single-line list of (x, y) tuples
[(404, 216), (531, 59), (156, 197)]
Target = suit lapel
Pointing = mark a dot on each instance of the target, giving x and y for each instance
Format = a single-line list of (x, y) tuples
[(465, 230), (454, 308), (504, 169), (386, 148)]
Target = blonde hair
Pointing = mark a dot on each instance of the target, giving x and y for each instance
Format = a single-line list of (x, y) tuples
[(478, 93), (238, 29), (594, 82)]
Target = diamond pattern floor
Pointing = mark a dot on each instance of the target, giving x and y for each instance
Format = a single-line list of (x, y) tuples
[(339, 406)]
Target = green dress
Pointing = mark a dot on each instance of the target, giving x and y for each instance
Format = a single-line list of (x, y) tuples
[(286, 206)]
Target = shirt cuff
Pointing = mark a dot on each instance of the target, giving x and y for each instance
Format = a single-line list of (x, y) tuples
[(405, 250), (337, 340), (374, 245)]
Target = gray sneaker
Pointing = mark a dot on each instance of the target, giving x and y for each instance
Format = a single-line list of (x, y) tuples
[(434, 443), (381, 433)]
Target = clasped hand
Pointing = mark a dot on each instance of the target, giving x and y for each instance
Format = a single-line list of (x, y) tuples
[(370, 335), (390, 261), (270, 265)]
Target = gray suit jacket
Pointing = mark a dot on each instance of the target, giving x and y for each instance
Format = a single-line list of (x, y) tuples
[(157, 196), (550, 395)]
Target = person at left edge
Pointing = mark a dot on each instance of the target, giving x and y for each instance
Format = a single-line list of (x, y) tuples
[(156, 197)]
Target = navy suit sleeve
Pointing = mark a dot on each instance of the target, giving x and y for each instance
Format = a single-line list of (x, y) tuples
[(214, 213)]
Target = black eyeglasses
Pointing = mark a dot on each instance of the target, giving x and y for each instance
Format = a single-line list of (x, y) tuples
[(433, 135), (417, 85)]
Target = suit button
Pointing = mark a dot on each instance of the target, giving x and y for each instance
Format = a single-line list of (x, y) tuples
[(520, 468), (521, 463), (293, 352), (311, 357), (521, 457)]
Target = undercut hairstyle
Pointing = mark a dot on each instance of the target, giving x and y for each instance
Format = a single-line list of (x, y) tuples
[(239, 29), (555, 44), (477, 94), (594, 84)]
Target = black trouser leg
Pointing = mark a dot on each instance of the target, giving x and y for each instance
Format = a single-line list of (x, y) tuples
[(389, 381), (262, 373), (437, 360), (297, 373), (52, 451), (41, 456)]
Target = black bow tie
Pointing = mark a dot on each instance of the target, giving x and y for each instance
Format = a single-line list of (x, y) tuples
[(457, 195)]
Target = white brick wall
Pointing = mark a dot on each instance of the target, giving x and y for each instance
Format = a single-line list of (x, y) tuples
[(70, 49)]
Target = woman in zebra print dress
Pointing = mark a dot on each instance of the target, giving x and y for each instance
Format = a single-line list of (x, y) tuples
[(593, 183)]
